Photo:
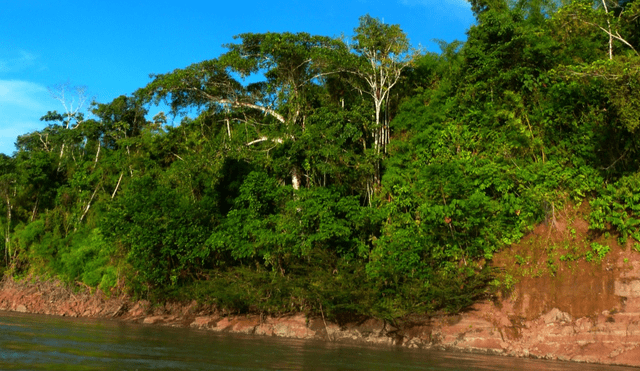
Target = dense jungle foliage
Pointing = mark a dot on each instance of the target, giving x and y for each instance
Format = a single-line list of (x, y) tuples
[(352, 177)]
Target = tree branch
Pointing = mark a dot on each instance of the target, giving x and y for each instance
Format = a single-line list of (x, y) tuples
[(117, 185), (266, 110), (263, 139)]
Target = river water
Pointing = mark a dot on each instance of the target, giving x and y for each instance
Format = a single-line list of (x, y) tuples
[(38, 342)]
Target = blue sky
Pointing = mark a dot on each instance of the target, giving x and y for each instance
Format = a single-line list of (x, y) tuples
[(111, 47)]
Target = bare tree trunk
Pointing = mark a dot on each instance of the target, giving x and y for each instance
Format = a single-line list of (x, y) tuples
[(95, 162), (35, 209), (378, 142), (129, 158), (60, 159), (228, 122), (370, 191), (606, 10), (7, 236), (378, 135), (117, 185), (295, 178), (86, 210), (387, 125)]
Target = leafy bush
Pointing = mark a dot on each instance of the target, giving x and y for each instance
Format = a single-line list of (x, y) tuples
[(618, 205), (162, 231), (598, 252)]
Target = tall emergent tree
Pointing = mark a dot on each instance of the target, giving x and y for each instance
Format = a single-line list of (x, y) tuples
[(384, 52), (7, 187), (274, 110)]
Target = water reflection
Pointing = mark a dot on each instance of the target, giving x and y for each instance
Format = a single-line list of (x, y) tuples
[(32, 342)]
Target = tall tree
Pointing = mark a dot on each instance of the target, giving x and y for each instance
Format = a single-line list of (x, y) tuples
[(7, 187), (73, 101), (385, 53), (273, 110)]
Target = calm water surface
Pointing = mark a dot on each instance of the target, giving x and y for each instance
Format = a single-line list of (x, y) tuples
[(37, 342)]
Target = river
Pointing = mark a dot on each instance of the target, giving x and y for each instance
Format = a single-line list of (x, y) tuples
[(39, 342)]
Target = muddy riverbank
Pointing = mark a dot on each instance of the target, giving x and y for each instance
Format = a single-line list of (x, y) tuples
[(506, 328), (573, 311)]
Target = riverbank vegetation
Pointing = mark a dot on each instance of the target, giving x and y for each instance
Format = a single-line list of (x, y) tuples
[(352, 177)]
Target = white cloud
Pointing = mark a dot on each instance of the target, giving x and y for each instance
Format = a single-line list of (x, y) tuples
[(18, 62), (24, 94), (22, 103)]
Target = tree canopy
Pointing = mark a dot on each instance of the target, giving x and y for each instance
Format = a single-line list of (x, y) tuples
[(360, 177)]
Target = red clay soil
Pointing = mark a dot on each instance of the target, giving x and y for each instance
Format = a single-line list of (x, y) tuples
[(557, 306)]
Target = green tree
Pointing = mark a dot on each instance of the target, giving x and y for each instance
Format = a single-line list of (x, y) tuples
[(271, 112), (7, 190), (384, 52)]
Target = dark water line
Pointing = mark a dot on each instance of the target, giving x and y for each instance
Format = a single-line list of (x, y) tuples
[(38, 342)]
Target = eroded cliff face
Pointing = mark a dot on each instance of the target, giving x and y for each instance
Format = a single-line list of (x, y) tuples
[(578, 316), (561, 307), (540, 322)]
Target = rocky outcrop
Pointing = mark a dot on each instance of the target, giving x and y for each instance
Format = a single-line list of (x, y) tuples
[(298, 326), (587, 315)]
